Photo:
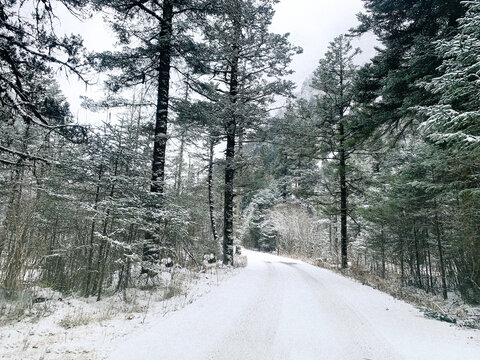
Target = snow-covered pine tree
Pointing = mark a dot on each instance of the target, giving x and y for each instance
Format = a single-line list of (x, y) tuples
[(452, 123), (248, 64), (154, 35), (334, 119), (30, 53)]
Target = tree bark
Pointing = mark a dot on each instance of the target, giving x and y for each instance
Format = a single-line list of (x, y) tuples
[(228, 200), (210, 191), (231, 128), (161, 115), (239, 197), (417, 256), (343, 199), (86, 290), (383, 253), (402, 261), (150, 253), (440, 252), (178, 175)]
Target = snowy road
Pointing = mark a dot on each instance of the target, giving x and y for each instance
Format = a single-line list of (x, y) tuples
[(279, 308)]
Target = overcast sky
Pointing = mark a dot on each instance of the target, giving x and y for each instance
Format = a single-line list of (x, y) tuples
[(312, 24)]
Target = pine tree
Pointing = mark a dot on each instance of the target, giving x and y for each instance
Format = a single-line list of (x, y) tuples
[(30, 53), (407, 31), (248, 63), (452, 124), (149, 51), (334, 114), (453, 121)]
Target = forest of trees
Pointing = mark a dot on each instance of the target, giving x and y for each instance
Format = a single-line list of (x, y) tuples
[(373, 166)]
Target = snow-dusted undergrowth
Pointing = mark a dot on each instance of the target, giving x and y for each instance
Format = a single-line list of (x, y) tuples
[(453, 310), (78, 328)]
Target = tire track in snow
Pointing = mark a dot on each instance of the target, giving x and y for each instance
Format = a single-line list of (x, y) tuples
[(352, 335), (247, 342)]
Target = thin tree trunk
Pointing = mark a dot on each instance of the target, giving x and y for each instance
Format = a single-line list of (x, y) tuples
[(330, 240), (428, 269), (402, 261), (178, 175), (86, 289), (343, 200), (284, 173), (417, 256), (440, 252), (383, 253), (102, 272), (238, 197), (104, 245)]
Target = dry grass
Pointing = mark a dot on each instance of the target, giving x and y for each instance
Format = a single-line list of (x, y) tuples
[(452, 310)]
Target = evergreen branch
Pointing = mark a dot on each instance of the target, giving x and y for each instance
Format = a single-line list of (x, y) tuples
[(25, 155)]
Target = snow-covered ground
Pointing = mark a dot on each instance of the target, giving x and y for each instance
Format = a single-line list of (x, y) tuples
[(86, 329), (276, 308)]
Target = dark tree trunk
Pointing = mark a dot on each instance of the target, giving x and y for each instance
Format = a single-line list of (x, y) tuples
[(417, 256), (343, 199), (161, 116), (88, 281), (228, 201), (440, 252), (428, 266), (231, 130), (402, 261), (239, 174), (285, 173), (150, 252), (382, 239), (210, 191)]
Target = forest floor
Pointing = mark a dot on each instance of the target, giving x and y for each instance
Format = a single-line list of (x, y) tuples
[(275, 308)]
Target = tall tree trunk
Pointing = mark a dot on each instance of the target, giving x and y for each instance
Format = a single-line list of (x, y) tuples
[(102, 259), (150, 252), (231, 130), (238, 197), (330, 237), (382, 239), (228, 197), (343, 199), (210, 191), (161, 115)]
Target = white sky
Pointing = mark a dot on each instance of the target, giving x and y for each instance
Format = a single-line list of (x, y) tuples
[(312, 24)]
